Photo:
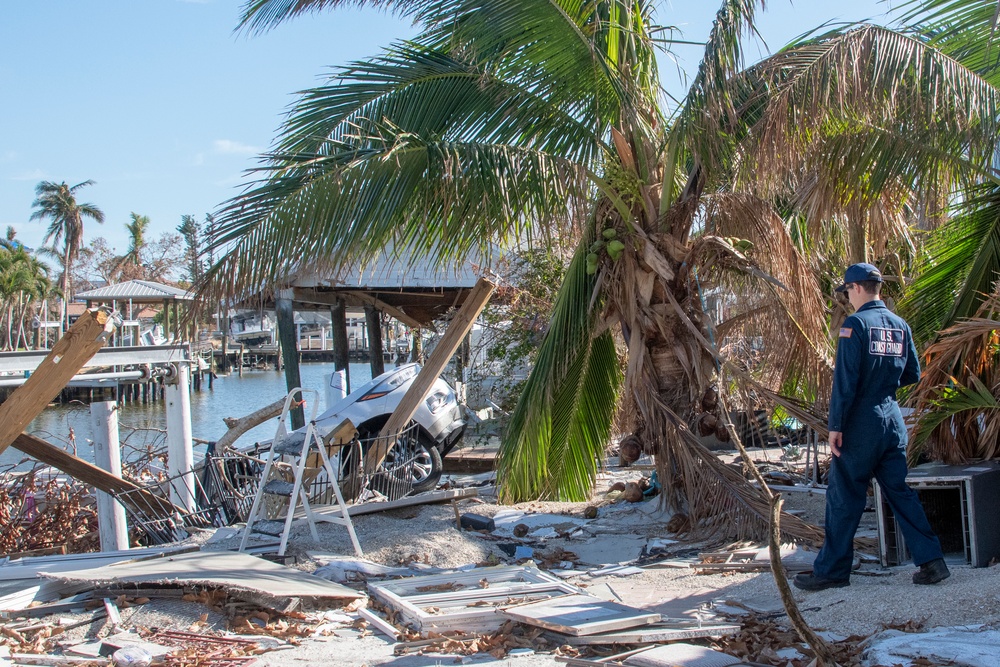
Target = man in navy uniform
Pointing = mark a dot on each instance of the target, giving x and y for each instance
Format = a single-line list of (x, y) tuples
[(875, 356)]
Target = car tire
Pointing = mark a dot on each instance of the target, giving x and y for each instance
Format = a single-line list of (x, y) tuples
[(427, 467), (423, 474)]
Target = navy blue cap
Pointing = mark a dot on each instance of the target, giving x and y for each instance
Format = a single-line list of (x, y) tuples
[(857, 273)]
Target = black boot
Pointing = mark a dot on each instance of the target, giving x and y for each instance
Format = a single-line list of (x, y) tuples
[(810, 582), (932, 572)]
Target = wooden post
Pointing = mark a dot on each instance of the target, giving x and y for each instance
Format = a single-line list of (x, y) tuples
[(289, 353), (166, 319), (87, 335), (457, 330), (225, 343), (417, 349), (180, 459), (107, 454), (338, 326), (373, 321)]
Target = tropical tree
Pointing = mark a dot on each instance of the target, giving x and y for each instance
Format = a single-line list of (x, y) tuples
[(130, 265), (190, 231), (8, 241), (504, 119), (57, 203), (24, 286)]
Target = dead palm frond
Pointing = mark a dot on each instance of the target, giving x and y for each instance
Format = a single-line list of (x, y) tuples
[(957, 402)]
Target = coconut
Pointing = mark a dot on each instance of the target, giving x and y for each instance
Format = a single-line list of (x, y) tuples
[(721, 432), (709, 399), (629, 450), (707, 424), (633, 492)]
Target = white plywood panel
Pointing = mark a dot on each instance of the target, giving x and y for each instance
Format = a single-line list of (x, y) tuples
[(579, 615)]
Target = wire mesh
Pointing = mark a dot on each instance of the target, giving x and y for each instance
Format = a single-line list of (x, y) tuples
[(394, 478), (162, 511)]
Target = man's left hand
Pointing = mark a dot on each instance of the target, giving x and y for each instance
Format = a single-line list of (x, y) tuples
[(836, 442)]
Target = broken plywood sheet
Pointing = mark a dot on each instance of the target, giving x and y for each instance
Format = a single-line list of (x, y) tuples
[(682, 655), (32, 566), (236, 572), (20, 594), (668, 631), (579, 615), (466, 601)]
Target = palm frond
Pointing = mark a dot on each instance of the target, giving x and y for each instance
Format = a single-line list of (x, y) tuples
[(959, 268), (439, 199), (561, 424), (871, 77), (798, 351), (955, 401)]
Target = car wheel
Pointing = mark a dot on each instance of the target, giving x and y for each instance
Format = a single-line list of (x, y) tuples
[(416, 461)]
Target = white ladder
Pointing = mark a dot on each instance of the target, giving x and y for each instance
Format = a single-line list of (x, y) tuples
[(297, 446)]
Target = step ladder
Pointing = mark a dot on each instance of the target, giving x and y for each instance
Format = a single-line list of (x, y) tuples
[(294, 449)]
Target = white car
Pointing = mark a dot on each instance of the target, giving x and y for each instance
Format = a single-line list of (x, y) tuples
[(438, 423)]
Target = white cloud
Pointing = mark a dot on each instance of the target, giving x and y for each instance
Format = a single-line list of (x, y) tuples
[(29, 175), (230, 147)]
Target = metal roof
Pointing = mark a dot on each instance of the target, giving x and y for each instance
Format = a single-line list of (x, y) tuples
[(143, 291)]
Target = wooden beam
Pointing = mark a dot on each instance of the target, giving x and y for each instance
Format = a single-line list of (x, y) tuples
[(285, 314), (363, 299), (338, 326), (373, 324), (87, 335), (460, 326), (139, 498)]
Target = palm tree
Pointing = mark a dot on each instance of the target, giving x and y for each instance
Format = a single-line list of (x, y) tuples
[(130, 265), (57, 203), (505, 118), (24, 284)]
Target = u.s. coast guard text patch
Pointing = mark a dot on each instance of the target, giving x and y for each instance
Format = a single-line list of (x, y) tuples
[(885, 342)]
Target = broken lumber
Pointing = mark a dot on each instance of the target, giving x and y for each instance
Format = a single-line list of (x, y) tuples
[(70, 353), (379, 624), (88, 473), (460, 326)]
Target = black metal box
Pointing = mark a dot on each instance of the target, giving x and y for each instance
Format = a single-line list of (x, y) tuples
[(963, 506)]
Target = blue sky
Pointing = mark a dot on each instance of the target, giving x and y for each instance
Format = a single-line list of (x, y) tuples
[(164, 107)]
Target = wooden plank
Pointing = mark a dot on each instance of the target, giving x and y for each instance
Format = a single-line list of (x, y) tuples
[(88, 473), (579, 615), (325, 512), (56, 660), (112, 610), (70, 353), (460, 326), (379, 624), (651, 634)]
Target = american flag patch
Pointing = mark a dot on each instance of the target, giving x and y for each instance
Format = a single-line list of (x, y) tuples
[(845, 332)]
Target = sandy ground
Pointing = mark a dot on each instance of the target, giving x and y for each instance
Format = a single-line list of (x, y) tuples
[(877, 597)]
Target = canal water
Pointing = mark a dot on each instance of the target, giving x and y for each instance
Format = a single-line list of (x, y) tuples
[(141, 425)]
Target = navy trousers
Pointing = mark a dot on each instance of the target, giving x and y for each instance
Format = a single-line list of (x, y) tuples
[(872, 448)]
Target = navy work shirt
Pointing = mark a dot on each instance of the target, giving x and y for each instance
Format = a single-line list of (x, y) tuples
[(875, 356)]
